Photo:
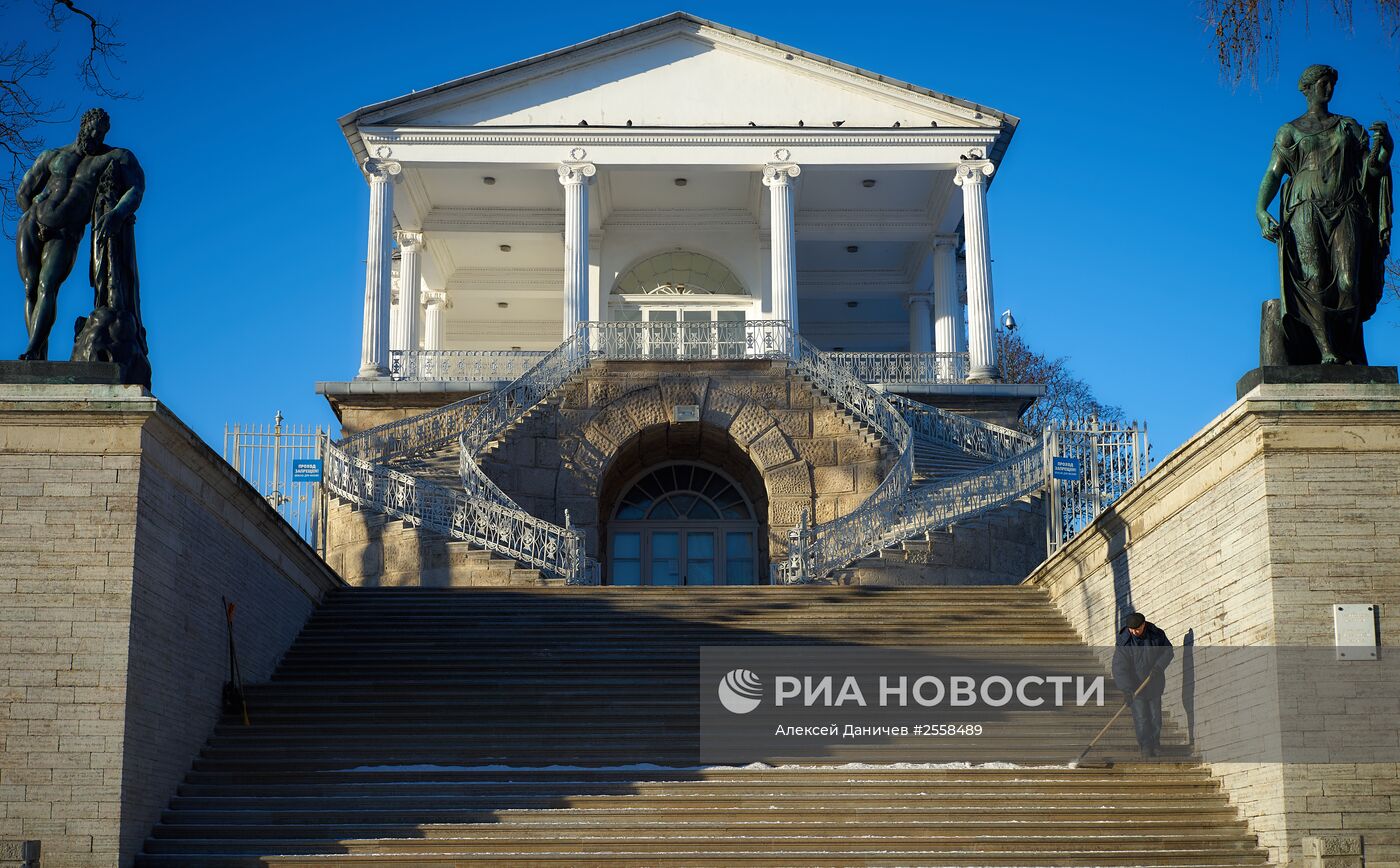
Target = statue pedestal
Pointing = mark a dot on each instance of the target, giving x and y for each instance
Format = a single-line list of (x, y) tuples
[(60, 373), (1314, 374)]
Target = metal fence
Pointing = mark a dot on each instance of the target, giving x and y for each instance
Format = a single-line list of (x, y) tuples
[(284, 463), (1103, 463)]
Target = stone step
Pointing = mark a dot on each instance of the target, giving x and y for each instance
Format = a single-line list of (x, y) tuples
[(560, 727)]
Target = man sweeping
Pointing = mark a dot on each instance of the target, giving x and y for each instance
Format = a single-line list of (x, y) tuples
[(1139, 669)]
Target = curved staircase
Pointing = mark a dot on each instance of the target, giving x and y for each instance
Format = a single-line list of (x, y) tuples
[(947, 469)]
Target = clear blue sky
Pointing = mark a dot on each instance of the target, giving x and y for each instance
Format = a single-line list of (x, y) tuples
[(1122, 219)]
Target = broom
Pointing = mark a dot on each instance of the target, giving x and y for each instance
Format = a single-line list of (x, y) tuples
[(234, 701), (1079, 759)]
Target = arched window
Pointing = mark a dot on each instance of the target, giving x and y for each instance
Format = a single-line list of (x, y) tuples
[(683, 524), (679, 273)]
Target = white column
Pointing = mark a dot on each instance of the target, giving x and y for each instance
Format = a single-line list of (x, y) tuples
[(574, 177), (947, 318), (374, 341), (777, 177), (972, 177), (410, 286), (434, 328), (920, 338)]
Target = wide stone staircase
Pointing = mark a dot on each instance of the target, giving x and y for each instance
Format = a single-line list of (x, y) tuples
[(558, 726)]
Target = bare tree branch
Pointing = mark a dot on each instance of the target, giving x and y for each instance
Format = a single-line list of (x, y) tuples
[(1245, 33), (1068, 400), (23, 113)]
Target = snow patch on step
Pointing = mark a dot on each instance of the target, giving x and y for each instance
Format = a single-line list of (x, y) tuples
[(653, 767)]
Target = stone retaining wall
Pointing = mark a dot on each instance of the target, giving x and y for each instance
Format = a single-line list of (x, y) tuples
[(1247, 535), (120, 531)]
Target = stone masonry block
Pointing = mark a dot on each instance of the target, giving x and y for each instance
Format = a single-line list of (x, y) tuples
[(771, 449), (833, 480), (751, 422), (683, 390), (644, 408), (818, 453), (794, 423), (721, 407), (790, 480)]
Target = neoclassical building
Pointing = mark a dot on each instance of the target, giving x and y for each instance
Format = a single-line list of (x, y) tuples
[(671, 306)]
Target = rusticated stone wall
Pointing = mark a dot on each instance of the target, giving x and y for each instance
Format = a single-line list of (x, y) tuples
[(788, 447)]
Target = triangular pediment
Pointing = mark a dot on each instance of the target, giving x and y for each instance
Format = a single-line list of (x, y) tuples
[(678, 71)]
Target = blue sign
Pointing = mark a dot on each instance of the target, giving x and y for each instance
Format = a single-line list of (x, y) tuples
[(1067, 468), (306, 469)]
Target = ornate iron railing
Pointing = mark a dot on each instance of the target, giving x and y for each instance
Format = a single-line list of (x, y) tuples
[(462, 365), (689, 341), (963, 433), (675, 341), (906, 368), (814, 550), (1018, 469)]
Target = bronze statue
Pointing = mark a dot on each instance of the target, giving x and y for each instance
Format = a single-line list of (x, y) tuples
[(67, 187), (1333, 233)]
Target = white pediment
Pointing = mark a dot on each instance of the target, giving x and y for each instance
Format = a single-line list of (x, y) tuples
[(678, 72)]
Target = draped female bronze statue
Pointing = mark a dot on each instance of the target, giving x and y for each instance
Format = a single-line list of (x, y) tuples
[(66, 188), (1333, 232)]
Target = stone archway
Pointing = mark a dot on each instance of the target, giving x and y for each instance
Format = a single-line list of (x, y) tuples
[(663, 445), (631, 428)]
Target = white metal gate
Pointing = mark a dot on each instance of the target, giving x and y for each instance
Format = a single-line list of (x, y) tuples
[(1110, 461), (274, 459)]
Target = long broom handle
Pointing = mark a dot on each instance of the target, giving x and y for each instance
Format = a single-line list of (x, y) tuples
[(1111, 721), (233, 661)]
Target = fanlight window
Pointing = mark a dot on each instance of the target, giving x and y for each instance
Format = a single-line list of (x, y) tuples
[(683, 492), (679, 274)]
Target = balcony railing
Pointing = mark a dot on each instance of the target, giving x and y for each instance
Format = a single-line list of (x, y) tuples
[(462, 365), (905, 368), (684, 341)]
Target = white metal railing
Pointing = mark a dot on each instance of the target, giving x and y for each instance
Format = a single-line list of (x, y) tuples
[(266, 456), (1017, 470), (675, 341), (816, 550), (963, 433), (462, 365), (689, 341), (906, 368), (1110, 460)]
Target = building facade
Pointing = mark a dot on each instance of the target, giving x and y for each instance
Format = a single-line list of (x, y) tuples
[(674, 292)]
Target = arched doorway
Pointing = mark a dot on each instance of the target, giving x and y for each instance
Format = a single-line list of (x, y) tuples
[(683, 523)]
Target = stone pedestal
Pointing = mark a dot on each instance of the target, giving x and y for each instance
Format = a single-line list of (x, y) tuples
[(1283, 507), (60, 373), (1301, 375)]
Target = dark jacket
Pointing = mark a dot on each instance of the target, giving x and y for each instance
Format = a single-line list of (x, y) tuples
[(1135, 659)]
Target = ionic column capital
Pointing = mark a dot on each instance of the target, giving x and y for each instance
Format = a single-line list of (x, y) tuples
[(382, 170), (974, 172), (408, 238), (436, 298), (572, 174), (915, 299), (945, 241), (780, 174)]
